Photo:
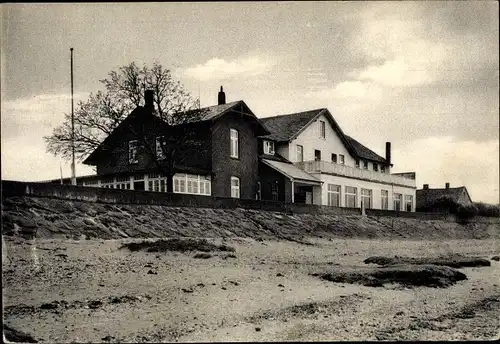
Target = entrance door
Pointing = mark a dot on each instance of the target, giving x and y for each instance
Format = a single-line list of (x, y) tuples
[(309, 197), (139, 186)]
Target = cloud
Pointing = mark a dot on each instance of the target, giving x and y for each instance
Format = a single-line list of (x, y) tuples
[(439, 160), (218, 69), (24, 123)]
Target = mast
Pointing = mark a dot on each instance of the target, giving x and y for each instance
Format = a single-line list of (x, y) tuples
[(73, 173)]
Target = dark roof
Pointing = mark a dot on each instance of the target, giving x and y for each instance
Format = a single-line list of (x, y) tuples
[(364, 152), (210, 113), (284, 127), (275, 157), (426, 197)]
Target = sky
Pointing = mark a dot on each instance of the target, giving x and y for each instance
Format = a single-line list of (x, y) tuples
[(423, 75)]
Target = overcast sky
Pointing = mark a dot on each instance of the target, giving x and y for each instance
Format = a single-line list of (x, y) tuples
[(423, 75)]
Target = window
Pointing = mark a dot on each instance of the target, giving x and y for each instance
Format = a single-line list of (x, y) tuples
[(382, 169), (408, 202), (357, 163), (322, 129), (317, 155), (350, 196), (341, 159), (384, 199), (275, 191), (159, 147), (268, 147), (192, 184), (375, 167), (334, 158), (234, 143), (300, 153), (132, 152), (334, 195), (397, 201), (365, 165), (366, 198), (235, 187)]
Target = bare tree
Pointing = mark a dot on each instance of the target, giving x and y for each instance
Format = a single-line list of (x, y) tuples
[(97, 117)]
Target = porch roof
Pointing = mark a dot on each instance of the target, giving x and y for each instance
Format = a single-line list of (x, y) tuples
[(293, 172)]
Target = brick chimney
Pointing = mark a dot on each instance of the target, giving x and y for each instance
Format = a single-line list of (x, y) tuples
[(222, 97), (426, 186), (388, 152), (447, 185), (148, 99)]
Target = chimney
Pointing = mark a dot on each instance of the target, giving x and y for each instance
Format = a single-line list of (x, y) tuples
[(426, 186), (388, 152), (222, 97), (447, 185), (148, 99)]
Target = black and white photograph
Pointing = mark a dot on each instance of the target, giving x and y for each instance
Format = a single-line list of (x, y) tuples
[(250, 171)]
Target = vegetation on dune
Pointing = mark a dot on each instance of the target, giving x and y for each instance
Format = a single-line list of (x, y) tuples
[(176, 244), (454, 262)]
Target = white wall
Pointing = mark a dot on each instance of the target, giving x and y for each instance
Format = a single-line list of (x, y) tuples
[(283, 150), (361, 184), (310, 139)]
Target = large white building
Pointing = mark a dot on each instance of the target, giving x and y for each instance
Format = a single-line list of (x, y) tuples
[(352, 175)]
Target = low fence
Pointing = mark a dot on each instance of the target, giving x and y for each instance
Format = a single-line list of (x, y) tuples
[(120, 196)]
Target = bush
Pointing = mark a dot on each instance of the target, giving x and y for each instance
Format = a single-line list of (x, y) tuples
[(489, 210), (466, 212)]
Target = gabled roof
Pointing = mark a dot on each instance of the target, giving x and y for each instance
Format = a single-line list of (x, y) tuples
[(210, 113), (426, 197), (364, 152), (285, 128)]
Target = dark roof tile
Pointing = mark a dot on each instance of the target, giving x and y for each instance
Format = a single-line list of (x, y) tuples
[(284, 127), (364, 152)]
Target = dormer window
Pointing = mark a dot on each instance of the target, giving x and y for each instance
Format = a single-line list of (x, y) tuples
[(375, 167), (365, 165), (268, 147), (357, 163)]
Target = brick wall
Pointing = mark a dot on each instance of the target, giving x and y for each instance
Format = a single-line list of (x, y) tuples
[(244, 167)]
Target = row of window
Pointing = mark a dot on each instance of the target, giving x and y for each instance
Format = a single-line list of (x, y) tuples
[(365, 166), (350, 193), (192, 184)]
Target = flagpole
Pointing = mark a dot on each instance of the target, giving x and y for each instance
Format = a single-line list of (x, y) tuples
[(73, 173)]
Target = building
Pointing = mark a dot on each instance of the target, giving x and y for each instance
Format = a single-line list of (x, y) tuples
[(426, 197), (350, 174), (299, 158)]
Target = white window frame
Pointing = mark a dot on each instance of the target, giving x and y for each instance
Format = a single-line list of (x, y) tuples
[(300, 157), (322, 129), (397, 198), (367, 194), (268, 147), (341, 159), (160, 155), (192, 184), (132, 152), (334, 190), (408, 200), (234, 146), (334, 158), (348, 194), (384, 199), (235, 189)]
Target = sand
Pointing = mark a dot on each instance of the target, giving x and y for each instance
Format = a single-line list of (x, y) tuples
[(266, 293)]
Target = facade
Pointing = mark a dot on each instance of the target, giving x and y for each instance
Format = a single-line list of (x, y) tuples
[(427, 197), (351, 175), (297, 158)]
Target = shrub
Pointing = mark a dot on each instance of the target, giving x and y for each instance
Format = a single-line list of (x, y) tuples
[(489, 210), (466, 212)]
